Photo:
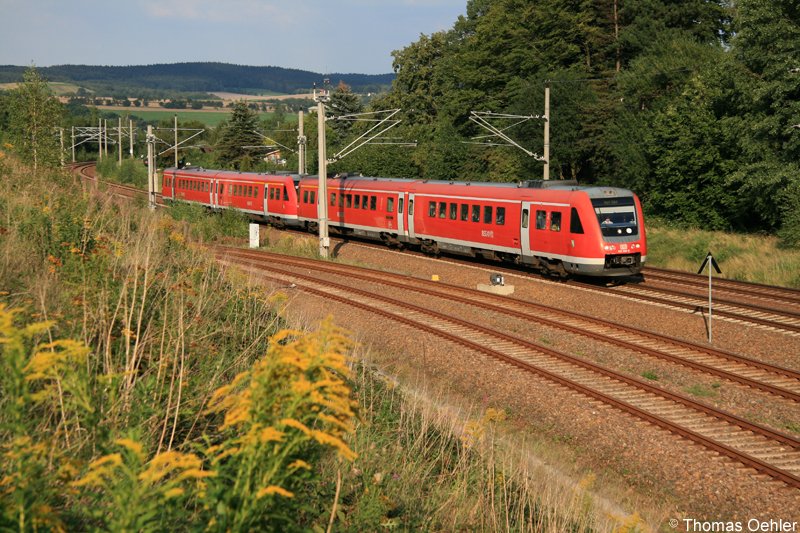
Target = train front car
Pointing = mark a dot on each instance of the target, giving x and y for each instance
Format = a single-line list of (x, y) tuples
[(615, 224)]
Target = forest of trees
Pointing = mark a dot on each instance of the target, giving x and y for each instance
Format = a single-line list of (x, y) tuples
[(691, 103), (195, 77)]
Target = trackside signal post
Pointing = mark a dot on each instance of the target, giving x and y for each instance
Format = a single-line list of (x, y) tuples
[(712, 263)]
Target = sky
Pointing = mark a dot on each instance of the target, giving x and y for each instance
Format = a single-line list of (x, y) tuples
[(342, 36)]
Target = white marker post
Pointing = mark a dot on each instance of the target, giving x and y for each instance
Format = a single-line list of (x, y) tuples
[(255, 242), (713, 263)]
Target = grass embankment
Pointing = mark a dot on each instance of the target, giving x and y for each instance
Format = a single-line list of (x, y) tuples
[(755, 258), (143, 389)]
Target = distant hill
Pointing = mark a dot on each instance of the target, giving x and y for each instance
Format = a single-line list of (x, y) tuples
[(200, 77)]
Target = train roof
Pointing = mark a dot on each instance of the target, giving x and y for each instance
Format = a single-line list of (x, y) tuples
[(345, 181), (232, 174), (525, 189)]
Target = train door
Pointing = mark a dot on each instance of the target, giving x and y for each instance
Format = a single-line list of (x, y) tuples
[(266, 195), (525, 229), (401, 215), (214, 197), (410, 217)]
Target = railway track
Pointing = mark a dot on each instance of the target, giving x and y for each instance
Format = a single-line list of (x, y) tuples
[(782, 382), (768, 307), (777, 297), (763, 449), (129, 192)]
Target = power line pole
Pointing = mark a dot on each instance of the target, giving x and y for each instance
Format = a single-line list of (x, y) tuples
[(73, 144), (176, 140), (119, 140), (301, 146), (151, 170), (130, 127), (100, 140), (546, 155), (61, 138), (322, 209)]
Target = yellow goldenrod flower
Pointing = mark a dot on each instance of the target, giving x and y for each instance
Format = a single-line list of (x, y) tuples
[(274, 489), (270, 434), (299, 463), (291, 422), (344, 449), (133, 446), (173, 492)]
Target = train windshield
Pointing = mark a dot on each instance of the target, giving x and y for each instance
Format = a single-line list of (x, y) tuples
[(616, 216)]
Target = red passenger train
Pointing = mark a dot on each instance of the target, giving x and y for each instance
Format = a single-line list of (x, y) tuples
[(554, 226)]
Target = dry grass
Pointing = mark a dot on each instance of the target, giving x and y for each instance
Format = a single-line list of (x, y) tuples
[(754, 258)]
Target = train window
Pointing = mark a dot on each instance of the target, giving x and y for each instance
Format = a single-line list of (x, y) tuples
[(541, 219), (221, 188), (357, 204), (431, 209), (348, 200), (453, 211), (341, 200), (313, 197), (464, 212), (411, 207), (575, 225), (442, 209), (476, 213), (373, 202), (555, 221), (487, 214), (400, 206), (333, 199), (525, 216), (501, 216), (285, 195), (390, 205), (305, 197)]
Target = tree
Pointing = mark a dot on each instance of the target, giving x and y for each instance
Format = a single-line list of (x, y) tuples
[(344, 102), (238, 136), (34, 118)]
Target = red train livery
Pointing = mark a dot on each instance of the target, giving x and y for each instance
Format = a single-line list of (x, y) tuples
[(554, 226)]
